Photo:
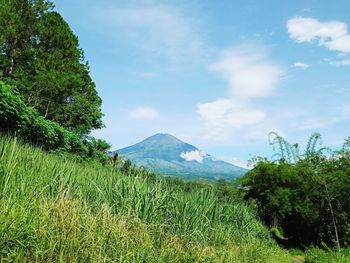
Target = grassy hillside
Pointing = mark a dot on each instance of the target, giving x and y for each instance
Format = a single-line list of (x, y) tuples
[(55, 210)]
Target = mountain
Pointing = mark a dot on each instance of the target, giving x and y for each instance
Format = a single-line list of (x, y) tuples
[(166, 155)]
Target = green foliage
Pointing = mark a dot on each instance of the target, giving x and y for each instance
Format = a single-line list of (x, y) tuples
[(18, 119), (276, 233), (129, 169), (291, 153), (187, 186), (307, 199), (55, 210), (126, 168), (40, 56), (316, 255), (226, 191)]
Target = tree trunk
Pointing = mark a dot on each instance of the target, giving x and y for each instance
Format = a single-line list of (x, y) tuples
[(333, 218)]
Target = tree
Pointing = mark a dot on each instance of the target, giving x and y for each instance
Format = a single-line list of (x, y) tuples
[(40, 55), (307, 198)]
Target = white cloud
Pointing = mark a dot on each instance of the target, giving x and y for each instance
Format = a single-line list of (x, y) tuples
[(339, 63), (159, 29), (143, 113), (333, 35), (195, 155), (301, 65), (318, 123), (250, 74), (339, 115), (248, 71), (235, 161), (225, 113)]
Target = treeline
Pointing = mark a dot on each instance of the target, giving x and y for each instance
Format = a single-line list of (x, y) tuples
[(303, 198)]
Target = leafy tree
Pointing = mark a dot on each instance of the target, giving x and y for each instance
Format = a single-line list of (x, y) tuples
[(307, 200), (40, 55)]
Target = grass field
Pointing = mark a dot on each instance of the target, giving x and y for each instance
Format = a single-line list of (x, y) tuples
[(55, 210)]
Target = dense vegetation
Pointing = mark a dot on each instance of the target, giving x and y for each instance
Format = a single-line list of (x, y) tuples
[(40, 56), (47, 97), (26, 123), (56, 210), (62, 198), (304, 198)]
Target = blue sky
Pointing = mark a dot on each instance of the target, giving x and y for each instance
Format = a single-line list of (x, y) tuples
[(218, 74)]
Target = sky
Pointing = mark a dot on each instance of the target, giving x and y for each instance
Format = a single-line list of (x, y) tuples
[(219, 75)]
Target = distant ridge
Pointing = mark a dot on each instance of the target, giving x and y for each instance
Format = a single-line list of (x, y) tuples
[(167, 155)]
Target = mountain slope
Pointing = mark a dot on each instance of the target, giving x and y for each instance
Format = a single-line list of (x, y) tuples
[(167, 155)]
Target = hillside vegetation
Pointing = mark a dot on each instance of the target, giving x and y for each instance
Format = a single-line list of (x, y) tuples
[(63, 198), (56, 210)]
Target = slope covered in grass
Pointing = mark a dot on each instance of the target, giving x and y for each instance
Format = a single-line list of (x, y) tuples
[(53, 209)]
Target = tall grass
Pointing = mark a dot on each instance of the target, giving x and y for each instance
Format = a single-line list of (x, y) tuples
[(316, 255), (53, 209)]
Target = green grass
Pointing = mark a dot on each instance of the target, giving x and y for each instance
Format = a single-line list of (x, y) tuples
[(54, 210), (316, 255)]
